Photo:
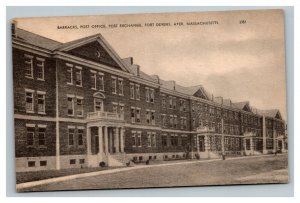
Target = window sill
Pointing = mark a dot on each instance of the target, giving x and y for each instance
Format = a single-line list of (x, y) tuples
[(71, 115), (29, 111), (121, 94), (29, 77), (70, 84), (78, 85), (94, 89), (42, 113), (40, 79)]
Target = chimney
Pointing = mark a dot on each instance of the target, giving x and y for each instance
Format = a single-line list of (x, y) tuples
[(174, 84), (128, 61)]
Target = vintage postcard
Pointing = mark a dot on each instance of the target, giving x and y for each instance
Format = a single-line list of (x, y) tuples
[(149, 100)]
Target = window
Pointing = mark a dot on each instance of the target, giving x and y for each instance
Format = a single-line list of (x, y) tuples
[(69, 74), (153, 140), (28, 66), (71, 132), (194, 123), (181, 122), (121, 107), (94, 79), (184, 106), (30, 136), (193, 107), (98, 104), (170, 102), (138, 115), (163, 102), (78, 74), (114, 85), (183, 140), (131, 91), (42, 136), (80, 137), (81, 161), (101, 81), (163, 118), (137, 92), (148, 139), (152, 95), (41, 102), (43, 163), (175, 122), (247, 144), (31, 163), (139, 139), (133, 136), (174, 103), (115, 107), (79, 106), (148, 116), (72, 161), (147, 94), (29, 101), (120, 80), (171, 121), (40, 69), (180, 105), (132, 112), (164, 140), (70, 106), (152, 118), (174, 140), (184, 123)]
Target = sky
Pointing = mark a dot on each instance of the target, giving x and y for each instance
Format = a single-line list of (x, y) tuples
[(240, 61)]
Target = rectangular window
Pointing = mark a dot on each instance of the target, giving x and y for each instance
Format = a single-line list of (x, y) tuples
[(94, 80), (184, 106), (153, 140), (80, 137), (98, 104), (193, 107), (153, 118), (29, 101), (101, 82), (81, 161), (184, 123), (132, 112), (138, 115), (180, 105), (152, 95), (28, 66), (40, 69), (163, 118), (149, 139), (170, 102), (133, 136), (70, 106), (114, 85), (121, 108), (181, 122), (120, 80), (115, 108), (139, 139), (147, 94), (69, 74), (175, 122), (78, 74), (79, 107), (137, 92), (42, 136), (41, 102), (171, 121), (43, 163), (174, 103), (30, 136), (247, 144), (72, 161), (163, 102), (31, 163), (71, 132), (148, 116), (164, 140), (131, 91)]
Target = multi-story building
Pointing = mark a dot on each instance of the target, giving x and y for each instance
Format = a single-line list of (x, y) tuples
[(78, 104)]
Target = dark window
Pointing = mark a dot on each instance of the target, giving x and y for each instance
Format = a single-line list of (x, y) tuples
[(42, 136), (71, 136), (72, 161), (140, 158), (30, 136), (31, 163), (80, 137), (43, 163), (81, 161)]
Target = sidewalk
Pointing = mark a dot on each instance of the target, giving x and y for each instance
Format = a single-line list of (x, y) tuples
[(136, 167)]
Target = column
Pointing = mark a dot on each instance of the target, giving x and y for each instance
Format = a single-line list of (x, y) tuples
[(223, 144), (122, 140), (207, 145), (251, 146), (197, 144), (274, 140), (106, 139), (88, 140), (116, 139), (264, 135), (110, 137), (100, 136)]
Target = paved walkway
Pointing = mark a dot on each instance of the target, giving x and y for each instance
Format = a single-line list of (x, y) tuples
[(112, 171)]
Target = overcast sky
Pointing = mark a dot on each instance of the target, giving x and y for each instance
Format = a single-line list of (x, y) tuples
[(233, 60)]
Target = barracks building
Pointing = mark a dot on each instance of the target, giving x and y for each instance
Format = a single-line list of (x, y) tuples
[(78, 104)]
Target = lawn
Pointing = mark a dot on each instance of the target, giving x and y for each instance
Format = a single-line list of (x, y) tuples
[(264, 169)]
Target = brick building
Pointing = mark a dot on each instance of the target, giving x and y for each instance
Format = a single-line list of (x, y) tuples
[(77, 104)]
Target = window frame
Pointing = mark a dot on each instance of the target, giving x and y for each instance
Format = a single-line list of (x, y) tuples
[(32, 100), (30, 64)]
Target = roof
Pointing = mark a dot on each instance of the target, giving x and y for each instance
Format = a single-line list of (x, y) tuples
[(37, 40), (269, 113)]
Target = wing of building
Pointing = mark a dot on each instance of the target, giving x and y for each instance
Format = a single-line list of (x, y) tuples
[(79, 104)]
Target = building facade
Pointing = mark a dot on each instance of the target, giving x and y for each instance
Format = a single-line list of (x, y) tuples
[(78, 104)]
